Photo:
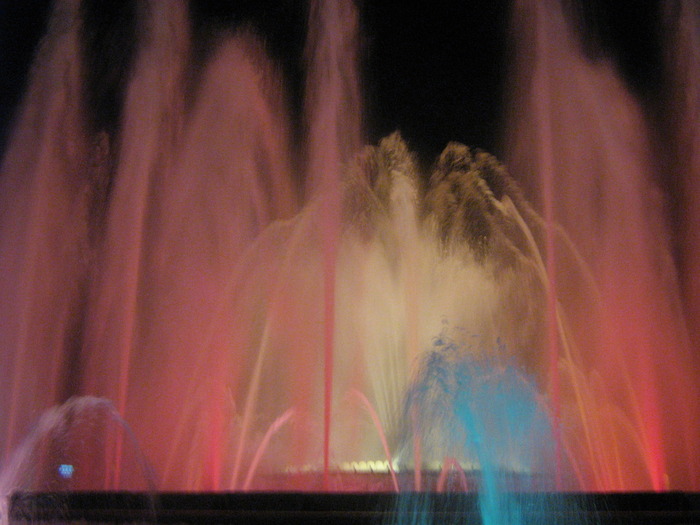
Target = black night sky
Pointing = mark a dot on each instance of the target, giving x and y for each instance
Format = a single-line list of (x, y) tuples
[(436, 71)]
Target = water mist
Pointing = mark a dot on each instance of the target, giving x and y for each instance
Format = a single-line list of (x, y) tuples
[(215, 296)]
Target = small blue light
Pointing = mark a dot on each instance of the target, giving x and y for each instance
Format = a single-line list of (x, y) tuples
[(66, 471)]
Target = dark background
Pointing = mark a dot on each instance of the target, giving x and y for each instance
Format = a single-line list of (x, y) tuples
[(438, 71)]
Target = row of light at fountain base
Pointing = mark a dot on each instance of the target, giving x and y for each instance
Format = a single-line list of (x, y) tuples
[(375, 467), (360, 467)]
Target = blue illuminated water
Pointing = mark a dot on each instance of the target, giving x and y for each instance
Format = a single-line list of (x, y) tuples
[(480, 408)]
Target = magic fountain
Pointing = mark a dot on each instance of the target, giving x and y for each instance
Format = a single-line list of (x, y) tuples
[(189, 313)]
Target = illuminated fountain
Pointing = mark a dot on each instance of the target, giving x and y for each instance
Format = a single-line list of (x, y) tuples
[(626, 363), (368, 325)]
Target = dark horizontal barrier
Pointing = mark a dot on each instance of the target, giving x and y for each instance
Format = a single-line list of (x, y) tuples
[(678, 508)]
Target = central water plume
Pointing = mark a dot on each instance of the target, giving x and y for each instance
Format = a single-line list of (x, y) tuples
[(400, 256)]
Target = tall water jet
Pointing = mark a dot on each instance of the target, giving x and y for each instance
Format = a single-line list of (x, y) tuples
[(143, 291), (333, 113), (626, 367), (45, 189), (681, 120), (216, 174)]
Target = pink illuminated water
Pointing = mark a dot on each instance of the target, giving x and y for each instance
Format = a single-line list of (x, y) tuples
[(260, 314), (628, 366)]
